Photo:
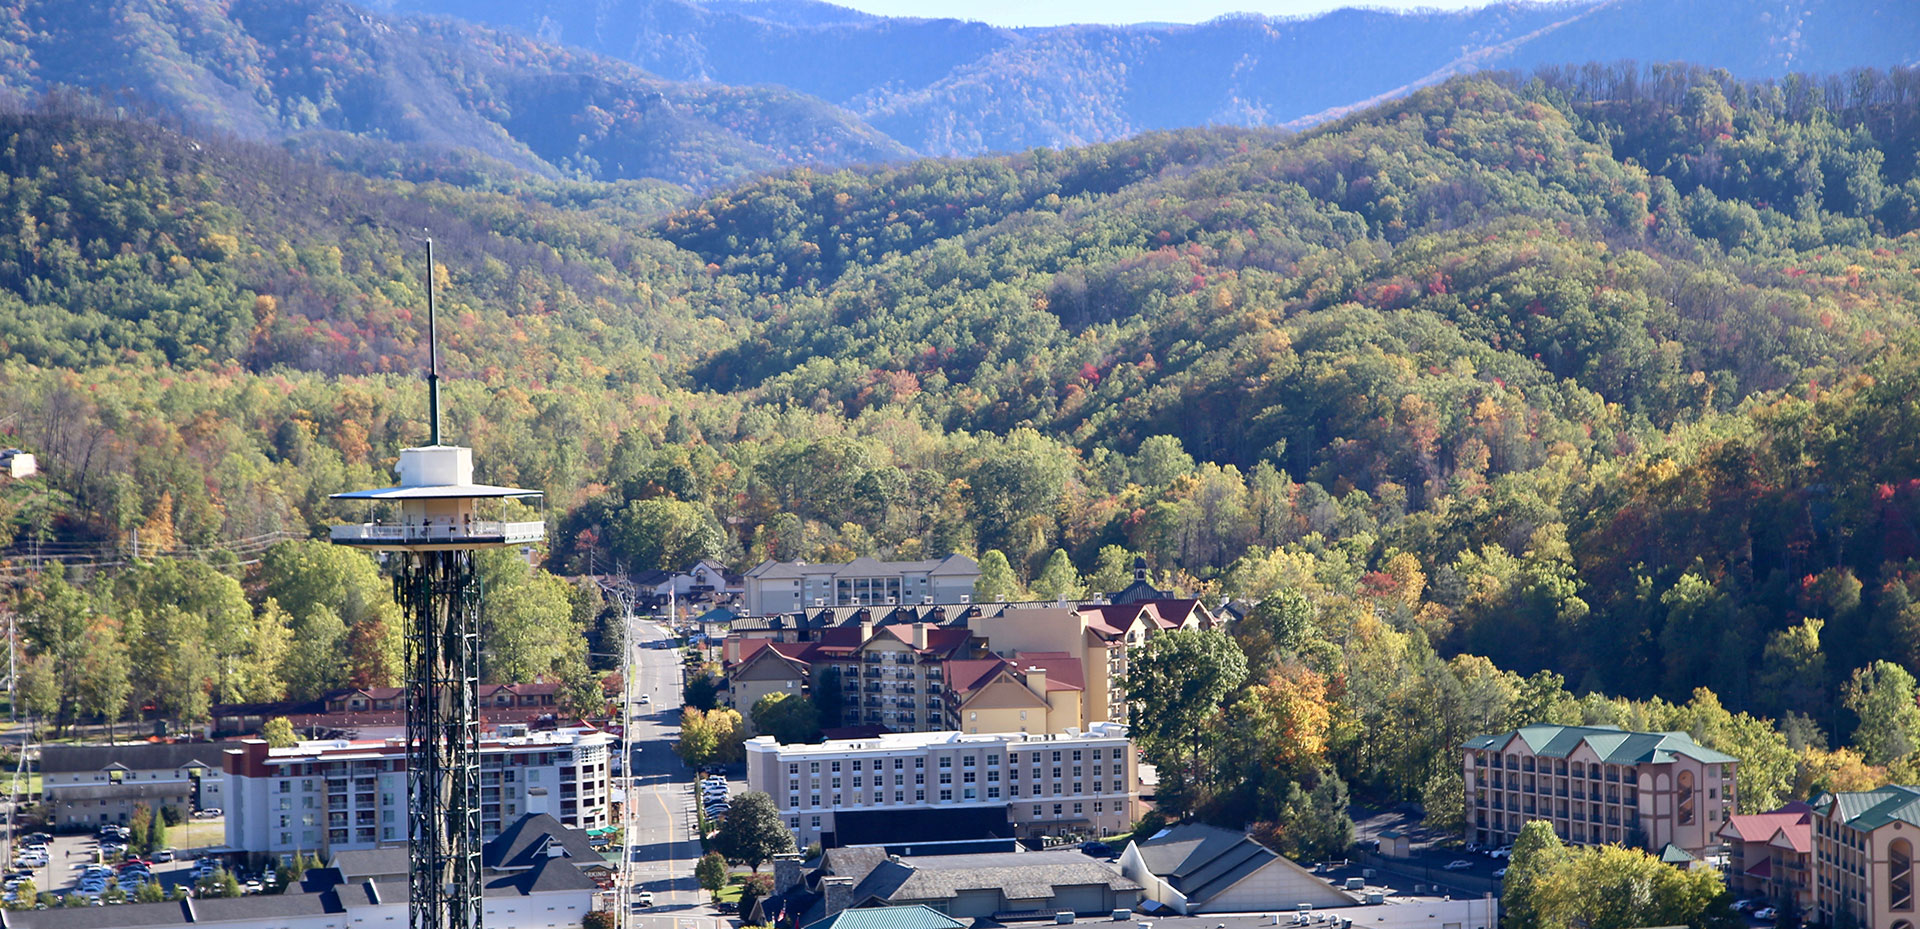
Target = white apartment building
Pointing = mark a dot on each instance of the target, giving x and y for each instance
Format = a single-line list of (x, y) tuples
[(333, 796), (90, 784), (941, 785), (786, 586)]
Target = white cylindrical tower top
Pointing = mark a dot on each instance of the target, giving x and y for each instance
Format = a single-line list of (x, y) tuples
[(436, 507)]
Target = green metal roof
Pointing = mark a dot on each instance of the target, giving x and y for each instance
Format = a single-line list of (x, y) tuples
[(1674, 854), (1871, 809), (915, 916), (1614, 745)]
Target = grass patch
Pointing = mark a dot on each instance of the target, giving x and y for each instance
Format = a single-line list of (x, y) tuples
[(197, 833), (731, 893), (29, 783)]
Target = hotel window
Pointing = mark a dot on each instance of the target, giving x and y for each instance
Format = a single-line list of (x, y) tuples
[(1683, 800), (1900, 876)]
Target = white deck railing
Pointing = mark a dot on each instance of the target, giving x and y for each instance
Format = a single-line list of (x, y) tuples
[(478, 530)]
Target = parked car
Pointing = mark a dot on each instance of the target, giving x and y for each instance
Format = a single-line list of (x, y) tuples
[(643, 898), (1096, 849), (1459, 864), (1501, 852), (1766, 914), (1741, 906), (726, 906), (212, 812), (1499, 873), (165, 854)]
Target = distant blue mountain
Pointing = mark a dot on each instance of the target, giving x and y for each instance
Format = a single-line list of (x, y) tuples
[(947, 87)]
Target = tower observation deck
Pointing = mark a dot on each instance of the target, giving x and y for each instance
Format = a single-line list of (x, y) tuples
[(434, 520)]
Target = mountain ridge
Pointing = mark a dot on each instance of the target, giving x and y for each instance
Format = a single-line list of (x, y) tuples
[(302, 70), (949, 87)]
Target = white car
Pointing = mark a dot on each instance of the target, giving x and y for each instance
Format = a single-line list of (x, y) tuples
[(1765, 914), (1459, 864), (643, 898), (1499, 873)]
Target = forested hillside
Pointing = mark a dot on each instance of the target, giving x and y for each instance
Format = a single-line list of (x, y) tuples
[(946, 87), (418, 96), (1516, 399)]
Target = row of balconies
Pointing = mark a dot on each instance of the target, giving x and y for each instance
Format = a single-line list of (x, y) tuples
[(1612, 796), (1560, 770)]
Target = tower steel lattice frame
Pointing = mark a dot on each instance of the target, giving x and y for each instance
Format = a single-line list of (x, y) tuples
[(440, 593)]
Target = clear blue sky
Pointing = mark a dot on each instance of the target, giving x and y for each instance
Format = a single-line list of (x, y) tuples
[(1057, 12)]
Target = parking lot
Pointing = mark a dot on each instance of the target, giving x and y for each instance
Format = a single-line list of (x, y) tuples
[(70, 855)]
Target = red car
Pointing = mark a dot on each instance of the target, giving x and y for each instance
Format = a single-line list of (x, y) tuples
[(141, 863)]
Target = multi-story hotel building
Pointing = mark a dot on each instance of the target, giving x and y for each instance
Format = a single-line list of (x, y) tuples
[(341, 795), (1770, 856), (786, 586), (1863, 846), (1599, 785), (941, 785)]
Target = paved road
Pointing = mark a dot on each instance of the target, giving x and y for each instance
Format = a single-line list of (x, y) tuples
[(660, 825)]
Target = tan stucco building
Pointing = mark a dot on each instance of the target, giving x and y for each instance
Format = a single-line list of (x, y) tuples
[(1599, 785), (1863, 846)]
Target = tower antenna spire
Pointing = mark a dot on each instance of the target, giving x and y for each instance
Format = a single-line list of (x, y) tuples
[(433, 357)]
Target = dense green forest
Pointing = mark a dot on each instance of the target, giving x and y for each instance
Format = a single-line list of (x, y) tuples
[(1580, 396)]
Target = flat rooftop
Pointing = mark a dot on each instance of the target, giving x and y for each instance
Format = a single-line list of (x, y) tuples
[(910, 741)]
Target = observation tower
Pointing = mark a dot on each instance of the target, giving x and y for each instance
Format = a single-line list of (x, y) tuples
[(433, 522)]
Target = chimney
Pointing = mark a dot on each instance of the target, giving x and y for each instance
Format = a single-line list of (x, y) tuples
[(866, 628), (920, 635), (786, 872), (837, 893), (1037, 681)]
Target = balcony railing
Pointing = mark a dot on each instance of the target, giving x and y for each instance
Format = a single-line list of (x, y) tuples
[(479, 530)]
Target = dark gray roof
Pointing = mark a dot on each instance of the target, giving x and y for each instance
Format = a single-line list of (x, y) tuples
[(528, 839), (138, 756), (1018, 875), (548, 875), (259, 907), (853, 862), (1201, 860), (362, 863)]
